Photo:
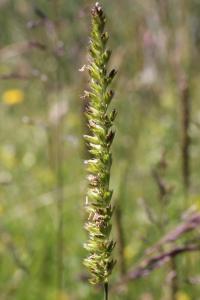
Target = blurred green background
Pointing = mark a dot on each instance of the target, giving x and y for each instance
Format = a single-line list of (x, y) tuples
[(43, 44)]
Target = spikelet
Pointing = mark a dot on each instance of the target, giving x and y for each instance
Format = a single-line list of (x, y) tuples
[(98, 199)]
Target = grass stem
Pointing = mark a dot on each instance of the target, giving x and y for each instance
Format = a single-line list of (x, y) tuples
[(106, 291)]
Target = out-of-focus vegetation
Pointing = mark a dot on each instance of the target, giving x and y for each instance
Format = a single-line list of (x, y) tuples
[(156, 162)]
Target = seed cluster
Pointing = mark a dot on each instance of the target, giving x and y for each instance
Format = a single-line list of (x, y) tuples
[(100, 121)]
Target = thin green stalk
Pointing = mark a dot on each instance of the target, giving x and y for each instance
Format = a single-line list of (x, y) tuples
[(106, 291), (185, 127), (56, 143), (60, 196)]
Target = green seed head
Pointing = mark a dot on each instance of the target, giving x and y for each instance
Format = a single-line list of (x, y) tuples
[(99, 96)]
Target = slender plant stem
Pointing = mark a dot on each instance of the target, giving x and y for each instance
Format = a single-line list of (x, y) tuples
[(60, 199), (106, 291), (59, 160), (185, 138)]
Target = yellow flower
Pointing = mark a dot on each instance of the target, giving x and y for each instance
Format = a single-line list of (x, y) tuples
[(182, 296), (13, 97)]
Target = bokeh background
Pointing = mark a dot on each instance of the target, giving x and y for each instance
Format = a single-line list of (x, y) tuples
[(156, 162)]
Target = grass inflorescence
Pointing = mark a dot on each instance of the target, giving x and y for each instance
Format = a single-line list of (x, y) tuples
[(98, 200)]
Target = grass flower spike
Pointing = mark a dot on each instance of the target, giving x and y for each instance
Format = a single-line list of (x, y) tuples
[(100, 121)]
